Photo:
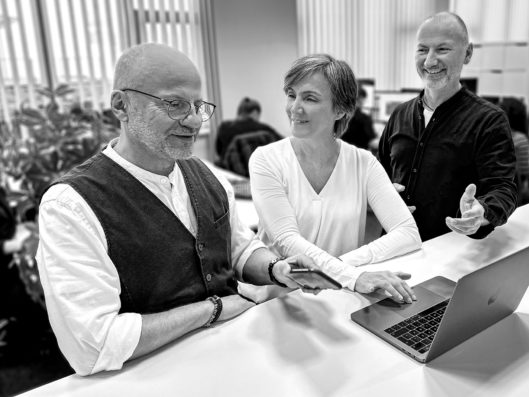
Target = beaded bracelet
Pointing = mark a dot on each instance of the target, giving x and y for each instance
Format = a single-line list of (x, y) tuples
[(217, 308), (271, 273)]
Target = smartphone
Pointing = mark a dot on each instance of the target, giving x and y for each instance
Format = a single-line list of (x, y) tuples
[(313, 279)]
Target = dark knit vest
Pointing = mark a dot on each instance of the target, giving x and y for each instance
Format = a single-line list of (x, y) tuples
[(161, 265)]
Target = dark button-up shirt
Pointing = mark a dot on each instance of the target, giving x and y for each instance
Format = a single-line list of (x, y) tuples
[(467, 140)]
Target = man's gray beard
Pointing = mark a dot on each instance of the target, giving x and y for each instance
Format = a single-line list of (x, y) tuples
[(139, 129), (180, 154), (436, 84)]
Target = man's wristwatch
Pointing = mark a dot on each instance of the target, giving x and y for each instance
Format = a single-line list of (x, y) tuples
[(217, 308), (271, 272)]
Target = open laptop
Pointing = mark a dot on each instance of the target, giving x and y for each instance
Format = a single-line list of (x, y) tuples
[(445, 313)]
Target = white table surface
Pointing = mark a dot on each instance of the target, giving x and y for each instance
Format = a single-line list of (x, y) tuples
[(303, 345)]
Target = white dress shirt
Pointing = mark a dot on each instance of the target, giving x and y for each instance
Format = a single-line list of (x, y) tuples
[(329, 226), (80, 282)]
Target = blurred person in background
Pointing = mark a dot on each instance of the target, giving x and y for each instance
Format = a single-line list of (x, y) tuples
[(248, 120), (360, 131)]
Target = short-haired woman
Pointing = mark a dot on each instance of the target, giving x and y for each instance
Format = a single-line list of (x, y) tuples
[(312, 190)]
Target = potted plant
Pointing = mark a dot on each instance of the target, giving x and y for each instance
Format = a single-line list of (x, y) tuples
[(42, 145)]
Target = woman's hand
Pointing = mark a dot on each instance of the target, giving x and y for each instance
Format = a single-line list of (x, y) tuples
[(392, 282)]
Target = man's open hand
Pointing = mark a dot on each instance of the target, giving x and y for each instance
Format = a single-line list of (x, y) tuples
[(472, 214)]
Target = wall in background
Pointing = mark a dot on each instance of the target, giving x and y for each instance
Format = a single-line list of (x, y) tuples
[(256, 43), (500, 33), (376, 37)]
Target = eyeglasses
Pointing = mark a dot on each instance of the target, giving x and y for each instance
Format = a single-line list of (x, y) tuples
[(178, 109)]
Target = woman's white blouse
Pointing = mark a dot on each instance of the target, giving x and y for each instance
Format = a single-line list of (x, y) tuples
[(329, 226)]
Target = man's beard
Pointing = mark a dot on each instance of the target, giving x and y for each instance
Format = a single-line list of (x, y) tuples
[(158, 144), (436, 84)]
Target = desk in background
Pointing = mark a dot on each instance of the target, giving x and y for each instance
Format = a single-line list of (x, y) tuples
[(241, 188), (303, 345), (248, 213)]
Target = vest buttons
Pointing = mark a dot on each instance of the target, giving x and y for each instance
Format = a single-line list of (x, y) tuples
[(200, 247), (208, 277)]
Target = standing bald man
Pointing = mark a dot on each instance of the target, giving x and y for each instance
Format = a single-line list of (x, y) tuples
[(142, 243), (450, 153)]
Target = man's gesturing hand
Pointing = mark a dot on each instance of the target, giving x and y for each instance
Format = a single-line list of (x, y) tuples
[(392, 282), (472, 214)]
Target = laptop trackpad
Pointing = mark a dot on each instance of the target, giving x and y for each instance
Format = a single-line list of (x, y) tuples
[(425, 299)]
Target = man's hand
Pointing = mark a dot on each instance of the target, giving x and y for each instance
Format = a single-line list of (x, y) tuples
[(400, 188), (392, 282), (233, 305), (472, 214), (282, 269)]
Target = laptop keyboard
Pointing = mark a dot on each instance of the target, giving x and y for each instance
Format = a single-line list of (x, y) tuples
[(418, 331)]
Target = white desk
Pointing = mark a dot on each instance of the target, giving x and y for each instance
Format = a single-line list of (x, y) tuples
[(301, 345)]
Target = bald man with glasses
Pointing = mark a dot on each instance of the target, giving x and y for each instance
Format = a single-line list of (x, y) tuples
[(142, 243)]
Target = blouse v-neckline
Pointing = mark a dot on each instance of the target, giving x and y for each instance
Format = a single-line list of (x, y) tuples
[(306, 180)]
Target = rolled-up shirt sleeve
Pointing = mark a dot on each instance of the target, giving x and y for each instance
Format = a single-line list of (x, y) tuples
[(81, 286)]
